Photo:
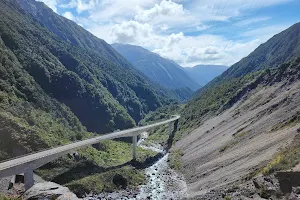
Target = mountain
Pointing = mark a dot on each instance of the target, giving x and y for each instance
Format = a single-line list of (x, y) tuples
[(254, 135), (99, 63), (161, 70), (241, 124), (56, 86), (215, 95), (241, 133), (203, 74)]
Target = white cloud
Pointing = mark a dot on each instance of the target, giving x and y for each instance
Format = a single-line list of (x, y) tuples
[(186, 50), (164, 9), (131, 32), (172, 27)]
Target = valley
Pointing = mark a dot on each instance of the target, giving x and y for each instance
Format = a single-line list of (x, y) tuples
[(215, 132)]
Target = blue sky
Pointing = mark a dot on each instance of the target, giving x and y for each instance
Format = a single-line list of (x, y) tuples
[(190, 32)]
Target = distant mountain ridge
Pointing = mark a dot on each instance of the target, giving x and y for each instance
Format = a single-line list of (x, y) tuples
[(203, 74), (161, 70)]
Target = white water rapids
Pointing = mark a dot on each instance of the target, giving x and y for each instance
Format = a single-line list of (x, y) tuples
[(163, 182)]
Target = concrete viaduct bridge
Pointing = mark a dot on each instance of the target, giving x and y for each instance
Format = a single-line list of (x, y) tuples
[(26, 164)]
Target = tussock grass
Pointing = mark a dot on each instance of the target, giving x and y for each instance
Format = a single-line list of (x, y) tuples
[(284, 160), (175, 159)]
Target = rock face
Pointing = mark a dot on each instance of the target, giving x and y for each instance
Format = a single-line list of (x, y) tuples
[(49, 190)]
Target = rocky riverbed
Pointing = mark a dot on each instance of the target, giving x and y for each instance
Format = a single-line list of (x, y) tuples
[(163, 182)]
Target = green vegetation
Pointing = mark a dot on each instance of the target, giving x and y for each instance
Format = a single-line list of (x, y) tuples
[(227, 197), (217, 98), (96, 167), (285, 159), (3, 197), (160, 134), (175, 159), (103, 182), (246, 75), (53, 93)]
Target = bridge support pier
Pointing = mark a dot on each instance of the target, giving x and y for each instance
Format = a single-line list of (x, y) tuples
[(134, 144), (28, 178)]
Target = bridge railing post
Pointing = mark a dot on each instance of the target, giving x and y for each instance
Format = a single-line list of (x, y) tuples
[(134, 144), (28, 178)]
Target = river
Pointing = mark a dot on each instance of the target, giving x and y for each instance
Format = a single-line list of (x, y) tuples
[(163, 182)]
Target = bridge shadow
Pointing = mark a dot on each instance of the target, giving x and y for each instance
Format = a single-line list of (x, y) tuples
[(86, 167)]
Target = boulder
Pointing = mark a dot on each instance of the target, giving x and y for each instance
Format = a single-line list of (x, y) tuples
[(49, 190), (120, 180)]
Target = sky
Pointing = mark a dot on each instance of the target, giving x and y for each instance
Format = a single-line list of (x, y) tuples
[(190, 32)]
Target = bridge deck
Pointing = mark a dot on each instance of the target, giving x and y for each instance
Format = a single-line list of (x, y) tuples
[(36, 160)]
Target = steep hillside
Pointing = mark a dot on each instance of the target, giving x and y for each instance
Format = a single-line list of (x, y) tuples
[(54, 93), (203, 74), (161, 70), (134, 91), (260, 119), (212, 98), (47, 92), (248, 127)]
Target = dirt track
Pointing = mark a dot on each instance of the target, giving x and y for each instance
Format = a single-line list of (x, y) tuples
[(230, 146)]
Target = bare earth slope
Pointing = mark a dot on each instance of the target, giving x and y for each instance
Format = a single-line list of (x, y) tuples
[(226, 148)]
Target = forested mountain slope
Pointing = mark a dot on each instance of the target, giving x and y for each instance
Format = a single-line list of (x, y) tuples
[(161, 70), (52, 92), (47, 92), (134, 91)]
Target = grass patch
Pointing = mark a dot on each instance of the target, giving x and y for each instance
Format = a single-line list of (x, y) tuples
[(103, 182), (3, 197), (175, 159), (284, 160), (159, 135), (96, 167)]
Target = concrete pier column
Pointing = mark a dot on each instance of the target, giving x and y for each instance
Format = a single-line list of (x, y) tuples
[(134, 144), (28, 178)]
